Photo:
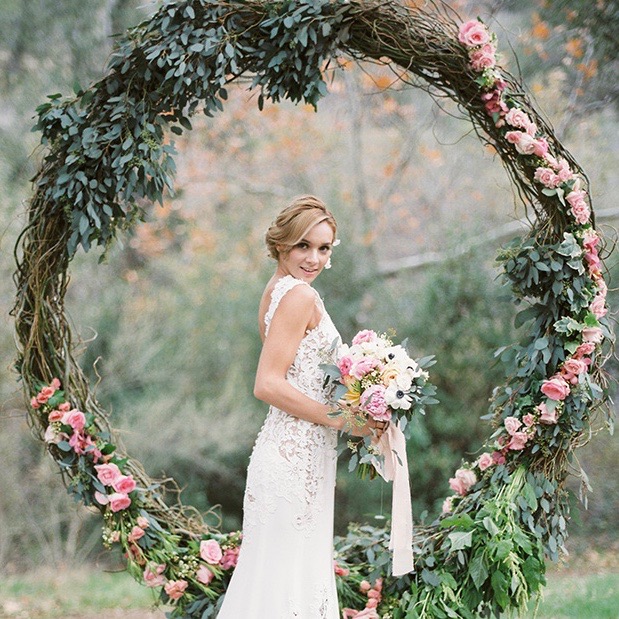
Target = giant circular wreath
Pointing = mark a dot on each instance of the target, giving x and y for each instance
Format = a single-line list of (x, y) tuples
[(106, 154)]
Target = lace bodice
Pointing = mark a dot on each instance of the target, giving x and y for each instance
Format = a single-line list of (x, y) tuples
[(302, 444), (305, 372)]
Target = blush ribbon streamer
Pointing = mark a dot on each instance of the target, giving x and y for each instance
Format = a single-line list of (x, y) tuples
[(394, 467)]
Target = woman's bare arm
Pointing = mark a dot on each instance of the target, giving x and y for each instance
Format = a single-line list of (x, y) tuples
[(288, 326)]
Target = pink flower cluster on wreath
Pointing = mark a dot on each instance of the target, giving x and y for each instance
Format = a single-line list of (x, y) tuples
[(122, 485), (213, 556), (65, 423), (374, 595), (557, 179), (69, 424), (555, 175)]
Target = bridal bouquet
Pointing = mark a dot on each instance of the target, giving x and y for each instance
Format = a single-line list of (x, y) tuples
[(375, 378)]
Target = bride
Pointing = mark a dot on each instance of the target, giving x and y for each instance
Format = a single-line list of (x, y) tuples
[(285, 567)]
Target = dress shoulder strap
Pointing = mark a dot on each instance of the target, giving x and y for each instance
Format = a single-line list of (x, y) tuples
[(282, 286)]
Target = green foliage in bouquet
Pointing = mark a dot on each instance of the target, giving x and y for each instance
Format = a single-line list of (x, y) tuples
[(107, 152)]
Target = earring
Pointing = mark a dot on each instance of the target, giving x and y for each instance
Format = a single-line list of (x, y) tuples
[(328, 264)]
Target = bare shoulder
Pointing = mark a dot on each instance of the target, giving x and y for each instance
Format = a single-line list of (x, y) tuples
[(295, 310), (299, 298)]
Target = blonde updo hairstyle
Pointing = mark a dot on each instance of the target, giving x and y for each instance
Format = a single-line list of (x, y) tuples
[(294, 222)]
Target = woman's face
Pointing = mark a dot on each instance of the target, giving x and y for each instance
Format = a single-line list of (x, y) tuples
[(308, 257)]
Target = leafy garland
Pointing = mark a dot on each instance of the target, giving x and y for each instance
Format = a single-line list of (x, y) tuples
[(107, 152)]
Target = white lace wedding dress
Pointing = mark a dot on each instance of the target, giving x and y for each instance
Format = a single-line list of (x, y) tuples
[(285, 567)]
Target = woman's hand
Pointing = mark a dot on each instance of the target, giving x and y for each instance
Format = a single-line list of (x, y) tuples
[(377, 428), (371, 427)]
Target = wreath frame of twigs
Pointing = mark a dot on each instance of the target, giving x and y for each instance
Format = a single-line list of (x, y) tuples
[(106, 153)]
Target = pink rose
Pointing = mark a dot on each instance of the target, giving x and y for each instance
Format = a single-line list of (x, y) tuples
[(76, 419), (493, 103), (65, 407), (107, 473), (524, 143), (547, 177), (498, 457), (552, 161), (590, 239), (485, 461), (78, 443), (35, 403), (55, 384), (574, 366), (518, 441), (55, 415), (210, 551), (579, 208), (592, 334), (563, 171), (364, 586), (50, 435), (447, 505), (82, 444), (593, 260), (369, 610), (512, 425), (540, 146), (575, 196), (340, 571), (581, 212), (547, 416), (483, 58), (598, 306), (143, 523), (362, 367), (555, 388), (584, 349), (230, 558), (473, 33), (175, 588), (118, 501), (45, 394), (344, 365), (462, 481), (373, 401), (136, 534), (124, 484), (367, 335), (153, 576), (528, 420), (204, 575), (518, 118)]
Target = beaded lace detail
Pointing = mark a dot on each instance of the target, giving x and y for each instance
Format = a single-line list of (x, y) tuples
[(305, 449)]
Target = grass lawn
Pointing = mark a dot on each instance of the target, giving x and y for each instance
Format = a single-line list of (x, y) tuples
[(585, 591), (580, 596), (84, 594)]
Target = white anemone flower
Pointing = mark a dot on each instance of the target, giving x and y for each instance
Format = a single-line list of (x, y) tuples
[(396, 397), (397, 355)]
